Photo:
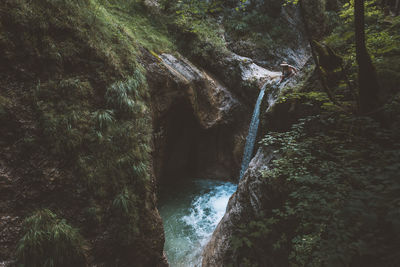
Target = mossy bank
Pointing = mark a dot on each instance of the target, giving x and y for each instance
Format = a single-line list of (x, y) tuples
[(76, 137)]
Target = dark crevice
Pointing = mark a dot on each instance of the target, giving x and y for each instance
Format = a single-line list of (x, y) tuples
[(186, 150)]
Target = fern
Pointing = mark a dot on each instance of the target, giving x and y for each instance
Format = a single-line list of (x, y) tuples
[(123, 95), (140, 170), (123, 202), (103, 118), (49, 241)]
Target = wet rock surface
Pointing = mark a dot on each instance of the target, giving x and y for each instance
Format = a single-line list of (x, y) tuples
[(198, 126), (200, 123), (250, 198), (212, 103), (254, 193), (253, 72)]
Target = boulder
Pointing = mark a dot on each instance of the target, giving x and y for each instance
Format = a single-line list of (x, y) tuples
[(245, 203)]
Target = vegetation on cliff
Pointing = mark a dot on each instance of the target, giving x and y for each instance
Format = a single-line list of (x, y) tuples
[(77, 133), (333, 185), (334, 196), (76, 130), (49, 241)]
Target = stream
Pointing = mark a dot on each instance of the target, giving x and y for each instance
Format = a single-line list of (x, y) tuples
[(191, 210)]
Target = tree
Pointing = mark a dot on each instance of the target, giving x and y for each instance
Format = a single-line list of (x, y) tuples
[(314, 53), (367, 78)]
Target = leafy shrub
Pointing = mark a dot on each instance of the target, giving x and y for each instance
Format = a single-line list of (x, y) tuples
[(88, 102), (382, 41), (125, 206), (49, 242), (333, 190), (260, 24), (121, 95), (103, 118), (333, 196)]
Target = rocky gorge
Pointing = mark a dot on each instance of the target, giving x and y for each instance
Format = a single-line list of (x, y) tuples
[(212, 144), (199, 123), (113, 112)]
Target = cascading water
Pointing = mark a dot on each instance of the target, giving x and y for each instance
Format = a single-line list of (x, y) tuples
[(252, 134), (255, 120), (191, 210)]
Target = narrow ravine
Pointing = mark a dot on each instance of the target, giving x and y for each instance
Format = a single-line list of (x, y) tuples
[(200, 141), (191, 210)]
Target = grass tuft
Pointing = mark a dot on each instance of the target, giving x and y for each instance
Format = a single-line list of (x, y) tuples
[(49, 241)]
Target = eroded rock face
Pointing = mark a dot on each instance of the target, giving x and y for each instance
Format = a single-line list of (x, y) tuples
[(296, 51), (254, 194), (200, 125), (212, 103), (244, 204), (198, 129), (253, 72)]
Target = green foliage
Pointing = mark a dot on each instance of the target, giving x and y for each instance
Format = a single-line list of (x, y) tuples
[(192, 8), (62, 118), (197, 33), (312, 96), (201, 38), (260, 24), (49, 241), (104, 118), (332, 187), (120, 137), (145, 28), (382, 41), (121, 95), (123, 202), (88, 101), (197, 9), (333, 192), (125, 206)]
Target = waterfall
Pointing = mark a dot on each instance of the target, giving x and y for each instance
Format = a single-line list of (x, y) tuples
[(191, 210), (252, 134)]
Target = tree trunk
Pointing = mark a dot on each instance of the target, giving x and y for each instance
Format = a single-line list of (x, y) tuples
[(314, 54), (367, 78)]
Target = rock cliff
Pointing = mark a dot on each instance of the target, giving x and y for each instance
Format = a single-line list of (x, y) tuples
[(254, 194), (251, 197), (69, 148), (199, 123)]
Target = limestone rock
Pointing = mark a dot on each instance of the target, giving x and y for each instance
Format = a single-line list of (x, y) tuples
[(211, 101), (196, 120), (245, 203), (253, 72)]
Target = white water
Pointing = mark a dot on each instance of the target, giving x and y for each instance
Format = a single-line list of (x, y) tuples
[(255, 120), (252, 134), (191, 210)]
